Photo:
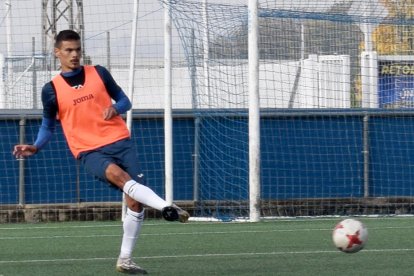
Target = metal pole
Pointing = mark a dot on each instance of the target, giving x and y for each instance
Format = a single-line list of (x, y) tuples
[(9, 39), (22, 140), (254, 112), (196, 160), (108, 51), (168, 122), (2, 82), (196, 154), (34, 75), (78, 193), (206, 54), (9, 28), (131, 78), (366, 153), (132, 62)]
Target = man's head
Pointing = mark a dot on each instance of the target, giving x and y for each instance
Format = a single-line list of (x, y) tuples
[(68, 50)]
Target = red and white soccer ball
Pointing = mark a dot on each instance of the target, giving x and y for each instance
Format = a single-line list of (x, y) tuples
[(350, 235)]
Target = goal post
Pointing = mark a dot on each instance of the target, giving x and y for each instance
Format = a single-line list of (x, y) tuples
[(168, 120), (254, 112)]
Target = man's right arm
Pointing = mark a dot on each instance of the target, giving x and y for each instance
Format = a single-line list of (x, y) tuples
[(45, 132), (48, 124), (49, 116)]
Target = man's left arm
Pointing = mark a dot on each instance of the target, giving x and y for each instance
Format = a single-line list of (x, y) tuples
[(122, 103)]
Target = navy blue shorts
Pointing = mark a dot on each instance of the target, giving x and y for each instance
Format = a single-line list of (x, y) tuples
[(121, 153)]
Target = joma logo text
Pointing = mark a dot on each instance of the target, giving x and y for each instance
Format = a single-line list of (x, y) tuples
[(82, 99)]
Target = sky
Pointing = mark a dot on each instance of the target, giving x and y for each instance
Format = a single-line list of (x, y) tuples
[(100, 17)]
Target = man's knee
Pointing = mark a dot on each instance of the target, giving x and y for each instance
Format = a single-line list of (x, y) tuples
[(133, 204), (116, 175)]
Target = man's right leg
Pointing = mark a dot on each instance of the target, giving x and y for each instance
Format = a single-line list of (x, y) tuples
[(100, 164), (135, 187), (144, 194)]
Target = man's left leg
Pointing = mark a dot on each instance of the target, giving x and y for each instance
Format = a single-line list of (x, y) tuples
[(133, 221)]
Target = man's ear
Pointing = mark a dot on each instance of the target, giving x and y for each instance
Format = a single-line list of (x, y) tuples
[(57, 52)]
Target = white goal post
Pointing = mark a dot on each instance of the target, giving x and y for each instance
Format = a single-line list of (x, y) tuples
[(254, 113)]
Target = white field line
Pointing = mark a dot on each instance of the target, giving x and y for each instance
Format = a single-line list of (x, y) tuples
[(58, 227), (194, 221), (184, 233), (365, 251)]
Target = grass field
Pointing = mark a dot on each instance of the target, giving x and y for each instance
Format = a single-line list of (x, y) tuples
[(281, 247)]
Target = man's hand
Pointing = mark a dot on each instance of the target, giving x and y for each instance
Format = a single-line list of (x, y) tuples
[(21, 151), (109, 113)]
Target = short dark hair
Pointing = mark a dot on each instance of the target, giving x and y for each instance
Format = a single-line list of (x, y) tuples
[(66, 35)]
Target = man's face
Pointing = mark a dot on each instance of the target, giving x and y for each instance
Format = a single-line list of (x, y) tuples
[(69, 54)]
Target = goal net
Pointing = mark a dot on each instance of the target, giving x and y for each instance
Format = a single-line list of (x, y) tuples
[(334, 140), (52, 185), (336, 92), (21, 79)]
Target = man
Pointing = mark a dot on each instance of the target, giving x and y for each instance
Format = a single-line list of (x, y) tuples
[(81, 97)]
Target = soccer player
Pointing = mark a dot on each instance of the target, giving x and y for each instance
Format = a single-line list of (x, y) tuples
[(81, 97)]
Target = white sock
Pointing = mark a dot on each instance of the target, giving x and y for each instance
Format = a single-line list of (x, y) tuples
[(132, 227), (144, 195)]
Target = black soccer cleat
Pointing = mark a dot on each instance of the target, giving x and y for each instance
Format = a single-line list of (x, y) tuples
[(175, 213)]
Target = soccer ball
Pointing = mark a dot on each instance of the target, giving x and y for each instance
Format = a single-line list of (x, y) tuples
[(350, 235)]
